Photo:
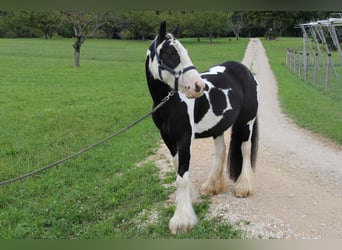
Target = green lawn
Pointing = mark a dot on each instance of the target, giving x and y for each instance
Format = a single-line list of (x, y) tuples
[(310, 106), (49, 109)]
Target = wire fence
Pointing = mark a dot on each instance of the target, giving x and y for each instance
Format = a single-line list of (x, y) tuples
[(315, 62), (314, 68)]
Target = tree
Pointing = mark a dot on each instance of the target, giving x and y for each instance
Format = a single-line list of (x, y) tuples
[(206, 23), (84, 24), (46, 21), (141, 24), (112, 24), (18, 24), (237, 23)]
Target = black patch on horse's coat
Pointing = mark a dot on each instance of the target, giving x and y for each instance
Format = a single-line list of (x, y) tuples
[(201, 108), (169, 56), (218, 101)]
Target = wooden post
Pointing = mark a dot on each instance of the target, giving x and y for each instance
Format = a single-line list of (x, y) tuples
[(300, 63), (306, 61), (294, 61), (327, 72), (314, 78)]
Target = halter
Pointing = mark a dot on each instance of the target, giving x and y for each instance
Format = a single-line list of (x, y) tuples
[(162, 66)]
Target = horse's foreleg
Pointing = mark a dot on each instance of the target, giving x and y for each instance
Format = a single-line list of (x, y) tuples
[(215, 183), (184, 217)]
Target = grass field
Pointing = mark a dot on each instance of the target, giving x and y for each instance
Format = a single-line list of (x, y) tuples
[(310, 106), (49, 109)]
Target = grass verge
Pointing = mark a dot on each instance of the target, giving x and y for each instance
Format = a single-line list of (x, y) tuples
[(49, 109), (310, 106)]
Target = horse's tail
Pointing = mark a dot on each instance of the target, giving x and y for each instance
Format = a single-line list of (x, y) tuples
[(240, 133)]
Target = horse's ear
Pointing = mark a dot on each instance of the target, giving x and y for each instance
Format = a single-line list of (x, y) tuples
[(162, 30), (175, 32)]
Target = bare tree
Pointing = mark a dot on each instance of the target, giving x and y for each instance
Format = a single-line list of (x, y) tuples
[(85, 24), (237, 22)]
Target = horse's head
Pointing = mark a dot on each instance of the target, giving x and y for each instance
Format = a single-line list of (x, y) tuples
[(168, 61)]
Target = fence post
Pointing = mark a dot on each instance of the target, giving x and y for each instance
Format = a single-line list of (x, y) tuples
[(315, 69), (327, 72), (300, 63), (306, 61), (295, 61)]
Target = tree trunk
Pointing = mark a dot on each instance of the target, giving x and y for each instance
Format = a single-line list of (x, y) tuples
[(77, 57), (77, 51), (210, 38)]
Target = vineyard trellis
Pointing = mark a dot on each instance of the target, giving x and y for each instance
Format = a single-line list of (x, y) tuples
[(315, 47)]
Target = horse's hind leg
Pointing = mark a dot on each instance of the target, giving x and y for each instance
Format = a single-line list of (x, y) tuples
[(215, 183), (242, 156)]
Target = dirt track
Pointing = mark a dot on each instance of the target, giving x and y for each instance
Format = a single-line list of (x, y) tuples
[(299, 175)]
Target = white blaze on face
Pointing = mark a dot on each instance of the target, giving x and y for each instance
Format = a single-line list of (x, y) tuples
[(190, 83)]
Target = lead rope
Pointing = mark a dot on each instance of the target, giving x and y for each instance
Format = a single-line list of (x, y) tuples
[(86, 149)]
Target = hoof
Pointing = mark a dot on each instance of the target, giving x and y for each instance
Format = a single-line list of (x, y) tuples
[(245, 184), (207, 190), (243, 189), (178, 225), (180, 229), (214, 187), (242, 194)]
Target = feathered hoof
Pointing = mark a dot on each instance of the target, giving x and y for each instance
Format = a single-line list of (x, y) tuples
[(244, 188), (212, 188), (179, 224)]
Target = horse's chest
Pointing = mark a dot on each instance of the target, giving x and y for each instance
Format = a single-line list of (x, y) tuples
[(208, 112), (211, 109)]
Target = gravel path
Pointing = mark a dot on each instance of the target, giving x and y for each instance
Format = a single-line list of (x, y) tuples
[(299, 175)]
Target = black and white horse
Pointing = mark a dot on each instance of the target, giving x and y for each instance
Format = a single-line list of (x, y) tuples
[(203, 105)]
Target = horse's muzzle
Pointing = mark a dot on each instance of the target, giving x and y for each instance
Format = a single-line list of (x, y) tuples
[(194, 90)]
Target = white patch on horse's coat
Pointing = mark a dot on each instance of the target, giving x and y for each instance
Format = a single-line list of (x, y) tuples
[(215, 183), (215, 70), (175, 162), (245, 184), (184, 216), (190, 104), (257, 88), (210, 119)]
